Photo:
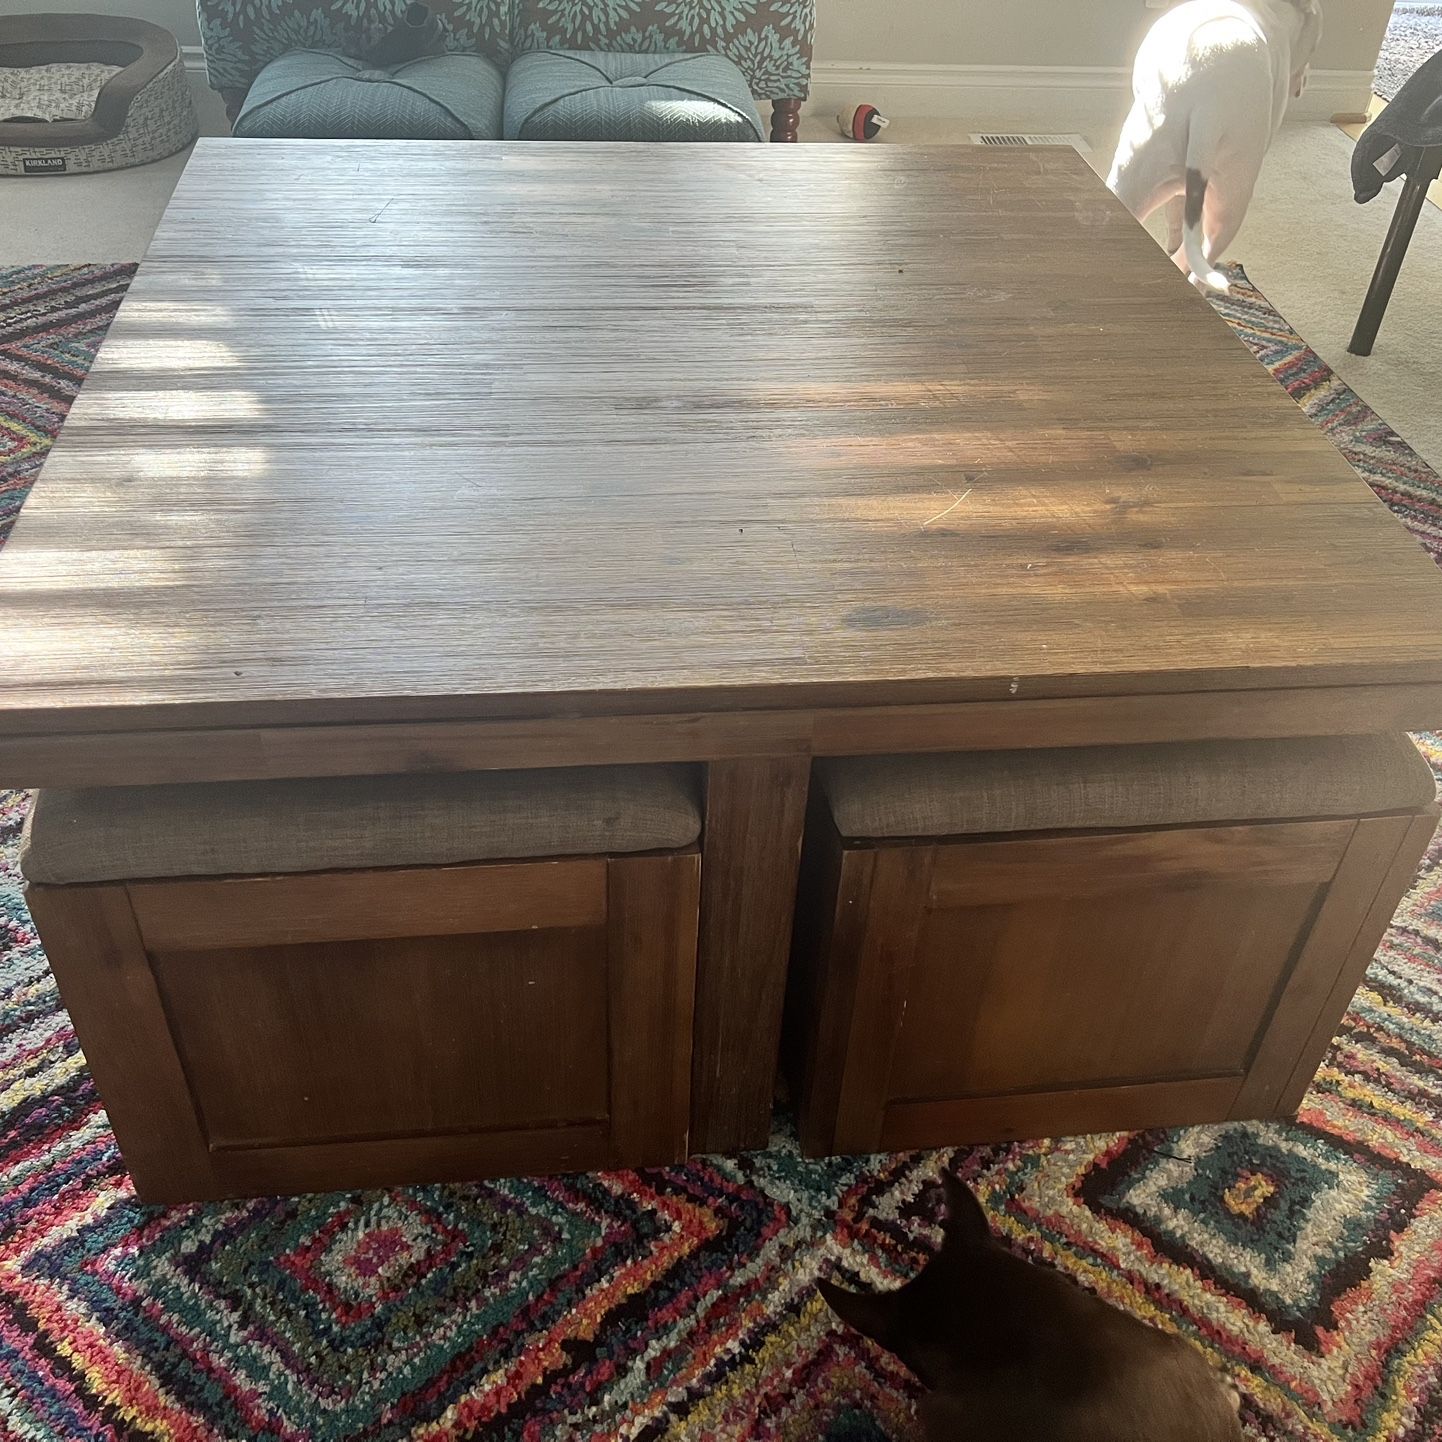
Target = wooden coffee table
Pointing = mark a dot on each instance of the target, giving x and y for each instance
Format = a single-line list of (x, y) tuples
[(437, 456)]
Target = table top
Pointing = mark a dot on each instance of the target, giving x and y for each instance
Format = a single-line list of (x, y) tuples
[(465, 430)]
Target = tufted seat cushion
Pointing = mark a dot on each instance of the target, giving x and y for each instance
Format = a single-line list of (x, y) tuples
[(575, 95), (317, 95)]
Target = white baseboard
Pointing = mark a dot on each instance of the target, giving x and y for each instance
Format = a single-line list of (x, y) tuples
[(1033, 97), (1065, 97), (1333, 92)]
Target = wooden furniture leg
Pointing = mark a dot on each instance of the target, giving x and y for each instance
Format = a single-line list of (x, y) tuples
[(755, 810), (1396, 845), (785, 121), (1394, 250), (98, 957)]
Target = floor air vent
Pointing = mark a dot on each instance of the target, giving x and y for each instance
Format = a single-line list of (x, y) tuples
[(1077, 142)]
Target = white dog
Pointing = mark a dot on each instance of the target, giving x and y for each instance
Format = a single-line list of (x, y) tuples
[(1212, 82)]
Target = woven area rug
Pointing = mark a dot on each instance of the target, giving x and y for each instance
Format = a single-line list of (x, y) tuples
[(1376, 452), (52, 318), (1305, 1258), (1413, 34)]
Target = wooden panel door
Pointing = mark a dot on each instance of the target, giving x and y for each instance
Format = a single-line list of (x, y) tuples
[(1051, 985), (344, 1040), (282, 1034)]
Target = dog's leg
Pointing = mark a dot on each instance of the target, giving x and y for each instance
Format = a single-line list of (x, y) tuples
[(1147, 175), (1174, 231), (1225, 207), (1145, 186), (1166, 197), (1137, 165)]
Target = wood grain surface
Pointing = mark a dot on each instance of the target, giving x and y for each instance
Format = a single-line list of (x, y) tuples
[(755, 816), (393, 433), (290, 909), (267, 753), (310, 1042), (977, 991)]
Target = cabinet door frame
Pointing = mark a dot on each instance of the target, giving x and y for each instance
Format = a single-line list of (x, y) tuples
[(875, 919), (99, 937)]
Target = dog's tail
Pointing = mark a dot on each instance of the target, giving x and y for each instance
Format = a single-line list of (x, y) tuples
[(1192, 243)]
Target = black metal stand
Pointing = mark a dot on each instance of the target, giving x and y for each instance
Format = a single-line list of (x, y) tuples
[(1394, 250)]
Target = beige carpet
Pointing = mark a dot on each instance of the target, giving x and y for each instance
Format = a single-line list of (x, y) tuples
[(1310, 249)]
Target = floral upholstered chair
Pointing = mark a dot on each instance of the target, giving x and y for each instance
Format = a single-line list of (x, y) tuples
[(768, 40), (242, 37)]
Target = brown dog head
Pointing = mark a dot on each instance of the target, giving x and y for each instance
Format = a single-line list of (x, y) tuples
[(924, 1322), (1010, 1349)]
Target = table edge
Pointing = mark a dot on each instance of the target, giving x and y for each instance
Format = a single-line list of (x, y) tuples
[(51, 759)]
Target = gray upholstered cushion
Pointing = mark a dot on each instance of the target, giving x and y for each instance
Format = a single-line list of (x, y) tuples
[(316, 95), (580, 95), (1097, 787), (238, 828)]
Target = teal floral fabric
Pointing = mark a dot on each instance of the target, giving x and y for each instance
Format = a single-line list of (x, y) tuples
[(768, 40), (242, 37)]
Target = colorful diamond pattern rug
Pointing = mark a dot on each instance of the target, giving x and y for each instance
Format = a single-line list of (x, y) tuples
[(52, 318), (1306, 1258), (1376, 452)]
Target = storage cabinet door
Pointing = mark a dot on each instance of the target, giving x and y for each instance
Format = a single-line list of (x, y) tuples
[(1052, 985), (356, 1029)]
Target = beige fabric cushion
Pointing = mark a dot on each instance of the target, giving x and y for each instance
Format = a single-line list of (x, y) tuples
[(1109, 787), (231, 828)]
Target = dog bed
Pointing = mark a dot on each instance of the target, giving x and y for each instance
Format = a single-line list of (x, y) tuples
[(84, 93)]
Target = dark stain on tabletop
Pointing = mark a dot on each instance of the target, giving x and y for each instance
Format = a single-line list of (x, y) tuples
[(1126, 505), (884, 618)]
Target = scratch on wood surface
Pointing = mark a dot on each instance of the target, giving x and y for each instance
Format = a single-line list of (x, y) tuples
[(955, 503)]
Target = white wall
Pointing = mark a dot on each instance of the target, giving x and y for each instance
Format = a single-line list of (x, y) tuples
[(937, 32), (1044, 32), (909, 45), (1354, 30), (978, 32), (1093, 35), (177, 16)]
